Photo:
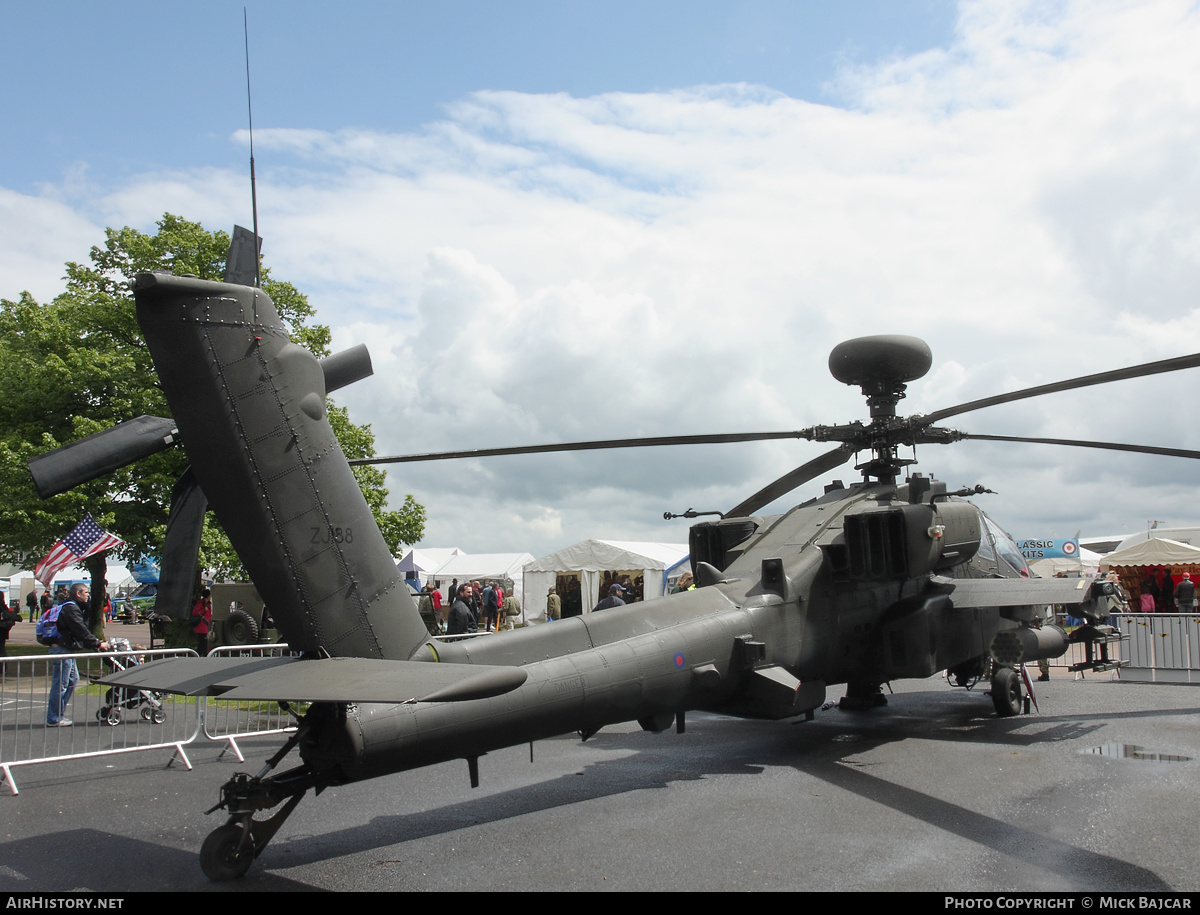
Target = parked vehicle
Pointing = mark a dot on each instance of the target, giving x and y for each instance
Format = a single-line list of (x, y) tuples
[(239, 616)]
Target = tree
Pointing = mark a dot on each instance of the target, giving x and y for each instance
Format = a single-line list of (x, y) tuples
[(79, 365)]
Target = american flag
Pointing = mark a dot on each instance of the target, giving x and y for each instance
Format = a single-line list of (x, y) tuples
[(87, 539)]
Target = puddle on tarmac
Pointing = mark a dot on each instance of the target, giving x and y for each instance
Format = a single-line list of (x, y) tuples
[(1133, 751)]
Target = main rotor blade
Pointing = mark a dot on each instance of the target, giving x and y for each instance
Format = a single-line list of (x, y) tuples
[(598, 445), (1135, 371), (1078, 443), (789, 481)]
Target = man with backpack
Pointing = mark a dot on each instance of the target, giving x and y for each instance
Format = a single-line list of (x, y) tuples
[(63, 629)]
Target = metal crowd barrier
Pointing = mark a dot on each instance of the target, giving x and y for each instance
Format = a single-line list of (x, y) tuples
[(103, 720), (228, 721), (1162, 647)]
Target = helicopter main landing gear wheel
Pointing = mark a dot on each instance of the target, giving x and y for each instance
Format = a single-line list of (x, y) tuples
[(229, 850), (1006, 692), (227, 853)]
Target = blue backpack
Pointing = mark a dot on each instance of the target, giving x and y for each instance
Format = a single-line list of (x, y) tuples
[(47, 626)]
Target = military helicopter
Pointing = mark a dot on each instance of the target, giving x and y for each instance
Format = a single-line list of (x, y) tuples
[(879, 580)]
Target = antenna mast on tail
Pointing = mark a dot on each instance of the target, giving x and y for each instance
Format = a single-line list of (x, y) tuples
[(250, 118)]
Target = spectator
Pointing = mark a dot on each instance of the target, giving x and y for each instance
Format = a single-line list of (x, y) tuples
[(461, 619), (201, 620), (8, 618), (491, 607), (73, 637), (1185, 594), (510, 610), (613, 600)]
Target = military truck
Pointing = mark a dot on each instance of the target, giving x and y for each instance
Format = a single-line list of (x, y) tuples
[(239, 616)]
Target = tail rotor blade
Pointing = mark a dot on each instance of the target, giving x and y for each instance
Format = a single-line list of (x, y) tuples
[(181, 546), (241, 263), (102, 453), (346, 367)]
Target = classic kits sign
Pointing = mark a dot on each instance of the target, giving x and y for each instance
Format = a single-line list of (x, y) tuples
[(1049, 549)]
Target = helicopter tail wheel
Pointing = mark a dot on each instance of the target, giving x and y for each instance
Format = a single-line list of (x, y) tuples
[(227, 853), (1006, 692)]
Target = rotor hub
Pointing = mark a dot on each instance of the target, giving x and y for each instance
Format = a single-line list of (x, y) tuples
[(881, 366)]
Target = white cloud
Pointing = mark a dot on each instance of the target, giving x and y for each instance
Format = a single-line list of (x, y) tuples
[(38, 235), (542, 267)]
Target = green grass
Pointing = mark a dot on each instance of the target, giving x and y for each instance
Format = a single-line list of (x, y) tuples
[(26, 648)]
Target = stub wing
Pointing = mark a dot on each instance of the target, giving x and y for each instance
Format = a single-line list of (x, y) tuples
[(323, 680), (1010, 592)]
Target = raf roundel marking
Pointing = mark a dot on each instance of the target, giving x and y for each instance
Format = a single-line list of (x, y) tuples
[(1069, 548), (678, 660)]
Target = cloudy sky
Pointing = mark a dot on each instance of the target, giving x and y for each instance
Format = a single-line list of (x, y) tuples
[(556, 221)]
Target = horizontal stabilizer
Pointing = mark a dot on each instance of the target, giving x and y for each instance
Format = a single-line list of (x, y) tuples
[(1014, 592), (189, 676), (320, 680)]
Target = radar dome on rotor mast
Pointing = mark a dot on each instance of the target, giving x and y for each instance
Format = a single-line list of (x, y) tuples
[(882, 366)]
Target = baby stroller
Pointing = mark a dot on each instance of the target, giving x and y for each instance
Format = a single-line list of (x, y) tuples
[(117, 698)]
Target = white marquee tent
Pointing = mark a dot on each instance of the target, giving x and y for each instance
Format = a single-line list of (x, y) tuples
[(421, 564), (116, 574), (657, 562), (1085, 562), (483, 567)]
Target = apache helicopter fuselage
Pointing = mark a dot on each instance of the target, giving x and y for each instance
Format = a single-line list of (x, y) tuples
[(760, 638), (868, 583), (833, 592)]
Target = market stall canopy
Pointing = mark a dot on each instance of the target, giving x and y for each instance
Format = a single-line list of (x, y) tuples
[(656, 562), (484, 567), (1156, 552), (1188, 535)]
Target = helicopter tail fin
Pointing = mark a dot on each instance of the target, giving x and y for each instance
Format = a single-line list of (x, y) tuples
[(250, 408)]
